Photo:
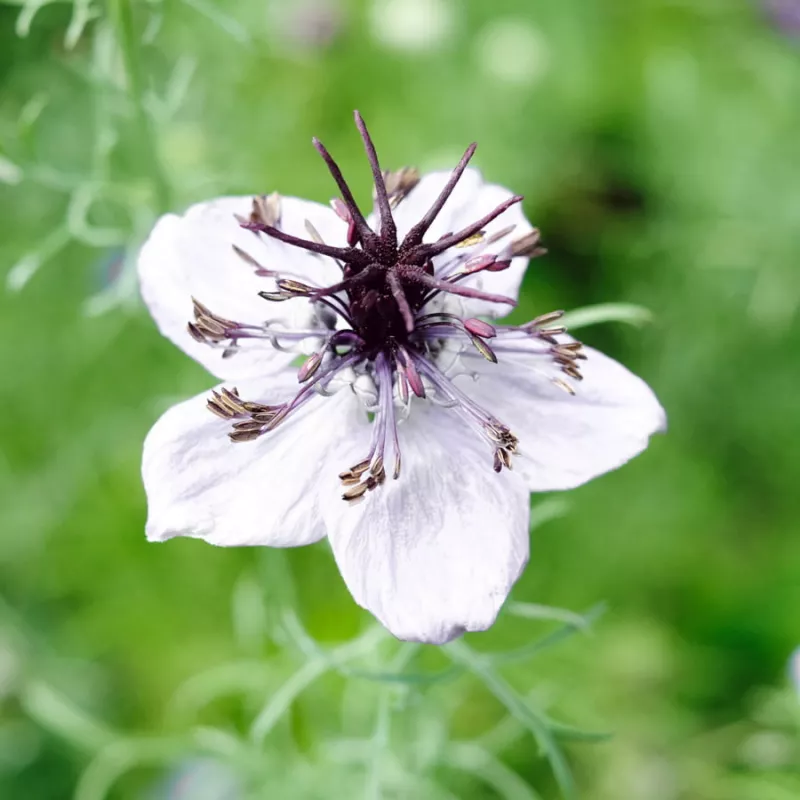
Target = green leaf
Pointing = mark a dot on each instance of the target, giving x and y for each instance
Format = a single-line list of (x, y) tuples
[(516, 706)]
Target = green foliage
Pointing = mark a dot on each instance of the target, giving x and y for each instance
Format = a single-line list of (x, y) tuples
[(655, 143)]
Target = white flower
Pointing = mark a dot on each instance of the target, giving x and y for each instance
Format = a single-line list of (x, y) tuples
[(401, 360)]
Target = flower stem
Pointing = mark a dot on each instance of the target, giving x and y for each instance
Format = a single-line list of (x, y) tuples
[(122, 17)]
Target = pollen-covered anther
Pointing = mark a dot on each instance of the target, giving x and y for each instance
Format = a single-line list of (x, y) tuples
[(541, 327), (501, 234), (399, 183), (476, 238), (362, 478), (259, 420), (286, 289), (528, 246), (227, 404), (293, 288), (210, 328), (567, 356), (544, 319), (355, 472), (343, 212), (251, 419), (503, 437), (266, 210), (480, 328), (309, 368), (501, 459), (257, 266), (564, 386), (488, 263), (483, 348)]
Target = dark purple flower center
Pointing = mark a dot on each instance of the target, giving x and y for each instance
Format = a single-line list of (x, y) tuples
[(386, 283), (393, 332)]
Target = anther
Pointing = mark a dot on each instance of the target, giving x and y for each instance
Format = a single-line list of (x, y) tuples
[(309, 368), (399, 183), (476, 238), (221, 412), (313, 232), (294, 288), (244, 436), (483, 349), (501, 234), (480, 328), (266, 209), (261, 271), (544, 319), (564, 386), (355, 492), (527, 245)]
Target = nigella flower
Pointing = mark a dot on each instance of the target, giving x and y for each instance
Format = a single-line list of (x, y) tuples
[(397, 436)]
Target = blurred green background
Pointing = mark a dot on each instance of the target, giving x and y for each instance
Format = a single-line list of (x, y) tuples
[(657, 143)]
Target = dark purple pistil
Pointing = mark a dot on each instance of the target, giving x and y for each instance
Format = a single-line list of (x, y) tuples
[(386, 282)]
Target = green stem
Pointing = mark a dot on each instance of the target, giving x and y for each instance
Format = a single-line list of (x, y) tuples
[(122, 16)]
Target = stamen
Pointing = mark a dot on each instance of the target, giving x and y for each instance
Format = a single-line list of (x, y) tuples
[(491, 429), (266, 209), (480, 328), (564, 386), (496, 237), (444, 326), (211, 329), (261, 271), (294, 288), (313, 232), (544, 319), (528, 245), (343, 212), (476, 238), (399, 183), (484, 349), (384, 429), (308, 369), (258, 419), (410, 372), (479, 264)]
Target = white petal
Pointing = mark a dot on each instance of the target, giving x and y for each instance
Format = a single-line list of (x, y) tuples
[(567, 440), (264, 492), (471, 200), (436, 552), (192, 256)]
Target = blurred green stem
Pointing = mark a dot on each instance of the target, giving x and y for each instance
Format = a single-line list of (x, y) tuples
[(122, 18)]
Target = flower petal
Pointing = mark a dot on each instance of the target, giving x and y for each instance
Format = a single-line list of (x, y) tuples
[(192, 256), (471, 200), (436, 552), (566, 440), (202, 485)]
